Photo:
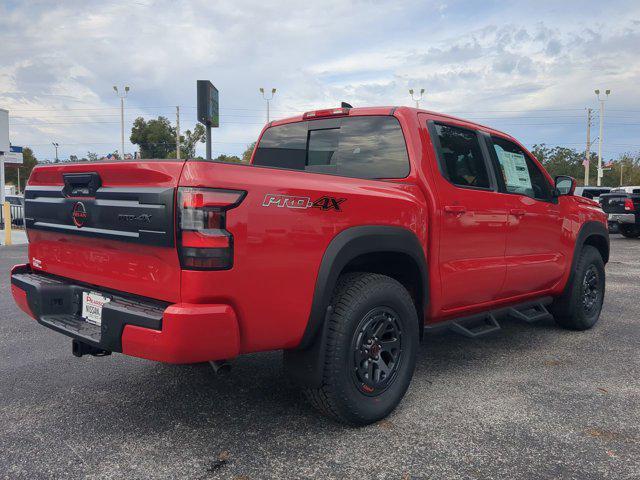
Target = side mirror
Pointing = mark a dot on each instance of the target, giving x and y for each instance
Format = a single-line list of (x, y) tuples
[(565, 185)]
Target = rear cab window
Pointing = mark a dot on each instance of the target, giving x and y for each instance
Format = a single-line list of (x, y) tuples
[(368, 147)]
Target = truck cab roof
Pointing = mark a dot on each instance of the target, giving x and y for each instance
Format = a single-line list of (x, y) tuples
[(391, 110)]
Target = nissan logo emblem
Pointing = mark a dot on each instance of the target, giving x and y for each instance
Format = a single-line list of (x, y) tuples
[(79, 214)]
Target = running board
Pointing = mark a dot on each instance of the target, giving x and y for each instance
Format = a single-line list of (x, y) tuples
[(531, 313), (477, 327), (481, 324)]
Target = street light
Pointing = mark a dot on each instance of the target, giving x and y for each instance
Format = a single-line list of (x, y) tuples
[(56, 145), (602, 100), (122, 96), (268, 99), (417, 100)]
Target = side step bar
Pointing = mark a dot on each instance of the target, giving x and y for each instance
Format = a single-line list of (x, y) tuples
[(531, 313), (481, 324), (476, 328)]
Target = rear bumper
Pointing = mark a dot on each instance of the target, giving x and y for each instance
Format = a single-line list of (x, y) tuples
[(136, 326), (622, 218)]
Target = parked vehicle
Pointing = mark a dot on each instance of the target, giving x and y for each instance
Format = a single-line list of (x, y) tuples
[(592, 193), (16, 208), (622, 206), (351, 231)]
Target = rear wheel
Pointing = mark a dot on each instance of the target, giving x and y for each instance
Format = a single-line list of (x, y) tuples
[(630, 231), (371, 349), (579, 306)]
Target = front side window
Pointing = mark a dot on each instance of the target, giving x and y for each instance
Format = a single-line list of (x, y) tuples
[(461, 157), (521, 175), (369, 147)]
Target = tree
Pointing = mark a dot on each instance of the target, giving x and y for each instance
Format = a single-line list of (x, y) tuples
[(190, 139), (28, 162), (565, 161), (227, 158), (630, 166), (92, 157), (246, 156), (156, 138)]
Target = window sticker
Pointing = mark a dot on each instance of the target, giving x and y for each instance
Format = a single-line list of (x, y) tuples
[(514, 169)]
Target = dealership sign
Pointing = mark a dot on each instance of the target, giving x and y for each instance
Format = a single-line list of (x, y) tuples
[(13, 156)]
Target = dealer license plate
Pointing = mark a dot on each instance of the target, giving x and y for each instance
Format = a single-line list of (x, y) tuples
[(92, 304)]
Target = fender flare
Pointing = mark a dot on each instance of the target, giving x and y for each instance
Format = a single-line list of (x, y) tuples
[(588, 230), (304, 365), (348, 245)]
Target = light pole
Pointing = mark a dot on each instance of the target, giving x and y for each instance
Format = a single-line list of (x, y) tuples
[(56, 145), (268, 99), (417, 100), (122, 96), (602, 100)]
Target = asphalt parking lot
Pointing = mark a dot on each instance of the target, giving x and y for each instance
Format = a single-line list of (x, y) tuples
[(532, 401)]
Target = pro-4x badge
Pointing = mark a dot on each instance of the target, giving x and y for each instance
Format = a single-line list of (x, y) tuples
[(290, 201), (328, 203)]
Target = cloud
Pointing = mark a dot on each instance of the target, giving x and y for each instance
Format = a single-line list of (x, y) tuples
[(58, 62)]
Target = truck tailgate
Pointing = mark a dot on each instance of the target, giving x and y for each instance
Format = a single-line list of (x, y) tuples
[(613, 202), (107, 224)]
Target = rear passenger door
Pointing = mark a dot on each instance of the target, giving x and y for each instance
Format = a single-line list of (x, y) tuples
[(472, 219), (535, 253)]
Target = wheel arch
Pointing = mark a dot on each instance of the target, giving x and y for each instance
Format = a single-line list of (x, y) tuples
[(367, 247), (393, 251), (595, 234), (591, 233)]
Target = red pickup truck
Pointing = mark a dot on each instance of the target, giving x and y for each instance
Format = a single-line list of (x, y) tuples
[(350, 233)]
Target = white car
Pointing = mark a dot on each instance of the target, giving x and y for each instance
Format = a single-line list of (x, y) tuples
[(591, 192)]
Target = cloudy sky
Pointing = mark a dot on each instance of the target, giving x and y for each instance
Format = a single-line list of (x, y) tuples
[(528, 68)]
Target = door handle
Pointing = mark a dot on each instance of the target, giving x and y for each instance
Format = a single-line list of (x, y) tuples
[(517, 212), (455, 209)]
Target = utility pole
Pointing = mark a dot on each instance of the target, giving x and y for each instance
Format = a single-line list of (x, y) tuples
[(602, 100), (122, 96), (56, 145), (417, 100), (268, 99), (178, 132), (588, 149)]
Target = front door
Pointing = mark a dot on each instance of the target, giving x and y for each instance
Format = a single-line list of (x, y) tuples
[(472, 219), (535, 253)]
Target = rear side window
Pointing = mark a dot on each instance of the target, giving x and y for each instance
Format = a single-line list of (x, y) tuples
[(361, 147), (461, 157)]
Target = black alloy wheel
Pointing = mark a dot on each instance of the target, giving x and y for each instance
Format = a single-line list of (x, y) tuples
[(377, 351), (591, 290)]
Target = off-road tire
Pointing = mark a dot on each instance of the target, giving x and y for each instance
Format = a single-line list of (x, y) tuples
[(574, 310), (356, 299), (630, 231)]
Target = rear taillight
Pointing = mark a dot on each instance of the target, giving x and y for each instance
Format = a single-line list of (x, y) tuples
[(204, 243), (628, 205)]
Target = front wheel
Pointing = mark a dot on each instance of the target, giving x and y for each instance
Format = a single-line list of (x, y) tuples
[(371, 348), (579, 306)]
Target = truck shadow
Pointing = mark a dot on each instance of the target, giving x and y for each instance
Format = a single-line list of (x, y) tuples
[(256, 395)]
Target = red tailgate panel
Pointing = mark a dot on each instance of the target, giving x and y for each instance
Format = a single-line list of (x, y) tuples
[(144, 270)]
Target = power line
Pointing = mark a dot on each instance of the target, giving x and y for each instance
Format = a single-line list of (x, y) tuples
[(134, 107)]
